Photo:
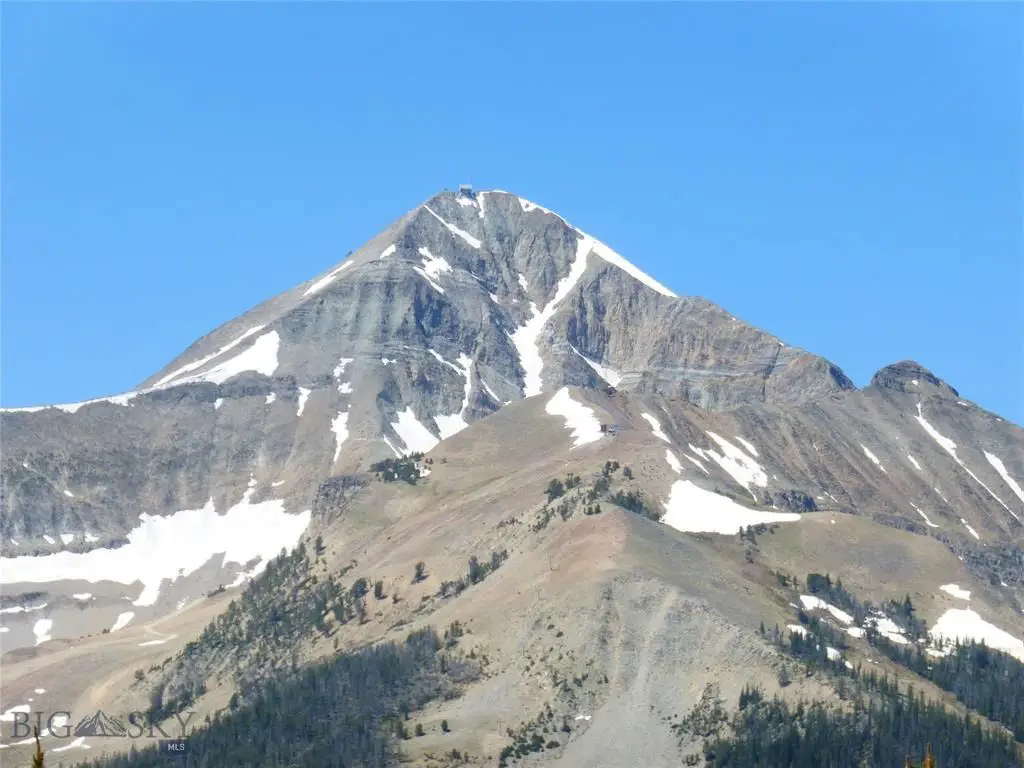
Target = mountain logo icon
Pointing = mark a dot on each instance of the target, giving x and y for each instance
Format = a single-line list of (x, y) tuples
[(99, 724)]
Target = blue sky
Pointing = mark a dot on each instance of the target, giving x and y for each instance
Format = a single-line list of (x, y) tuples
[(847, 176)]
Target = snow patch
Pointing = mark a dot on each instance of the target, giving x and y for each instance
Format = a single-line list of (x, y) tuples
[(874, 459), (303, 397), (606, 373), (950, 447), (123, 620), (339, 426), (797, 629), (955, 591), (387, 252), (914, 462), (204, 360), (41, 629), (67, 538), (996, 462), (603, 251), (76, 743), (455, 230), (923, 515), (750, 449), (691, 508), (218, 403), (82, 596), (271, 398), (585, 426), (69, 494), (261, 357), (451, 425), (416, 437), (426, 277), (23, 609), (673, 461), (522, 282), (162, 548), (700, 466), (323, 282), (49, 539), (965, 625), (526, 336), (810, 602), (743, 469), (655, 427), (970, 530)]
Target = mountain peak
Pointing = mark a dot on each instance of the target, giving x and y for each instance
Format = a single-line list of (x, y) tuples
[(910, 376)]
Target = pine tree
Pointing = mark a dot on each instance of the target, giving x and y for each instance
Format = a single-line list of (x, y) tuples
[(37, 758)]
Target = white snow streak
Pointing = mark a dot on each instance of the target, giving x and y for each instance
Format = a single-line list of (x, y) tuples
[(810, 602), (606, 253), (525, 338), (455, 230), (522, 282), (673, 461), (339, 426), (743, 469), (49, 539), (426, 277), (303, 397), (82, 595), (606, 373), (323, 282), (451, 425), (873, 458), (387, 252), (950, 447), (923, 515), (41, 629), (655, 427), (23, 609), (261, 357), (700, 466), (172, 546), (955, 591), (970, 530), (996, 462), (122, 620), (585, 426), (750, 449), (204, 360), (271, 398), (67, 538), (914, 462), (417, 438), (965, 625), (490, 391), (69, 494), (691, 508)]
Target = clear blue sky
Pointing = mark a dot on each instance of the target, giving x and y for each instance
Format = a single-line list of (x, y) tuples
[(848, 177)]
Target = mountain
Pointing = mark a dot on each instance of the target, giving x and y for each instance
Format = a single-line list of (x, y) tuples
[(592, 440)]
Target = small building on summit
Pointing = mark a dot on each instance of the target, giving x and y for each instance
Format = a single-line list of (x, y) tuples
[(466, 190)]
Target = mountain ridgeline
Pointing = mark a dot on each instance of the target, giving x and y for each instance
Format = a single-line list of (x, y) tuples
[(488, 421)]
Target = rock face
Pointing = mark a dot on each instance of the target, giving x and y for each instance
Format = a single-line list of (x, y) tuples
[(461, 306)]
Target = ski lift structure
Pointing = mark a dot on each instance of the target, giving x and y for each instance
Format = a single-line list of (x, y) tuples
[(610, 429)]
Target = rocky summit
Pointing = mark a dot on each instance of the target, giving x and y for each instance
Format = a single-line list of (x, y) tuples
[(588, 517)]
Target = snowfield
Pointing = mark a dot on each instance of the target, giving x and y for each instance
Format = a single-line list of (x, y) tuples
[(416, 437), (585, 426), (655, 427), (168, 547), (323, 282), (691, 508), (742, 468), (526, 336), (965, 625)]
